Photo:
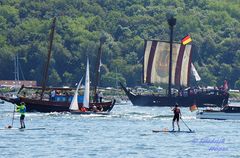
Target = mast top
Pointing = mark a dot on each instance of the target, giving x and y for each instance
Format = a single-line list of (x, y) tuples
[(172, 21)]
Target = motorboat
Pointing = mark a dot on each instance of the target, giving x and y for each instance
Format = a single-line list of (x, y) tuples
[(228, 112)]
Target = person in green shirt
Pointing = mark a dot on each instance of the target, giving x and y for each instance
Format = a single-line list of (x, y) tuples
[(22, 110)]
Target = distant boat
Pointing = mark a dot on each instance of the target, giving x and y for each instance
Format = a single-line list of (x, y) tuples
[(87, 107), (162, 67), (229, 112), (61, 102)]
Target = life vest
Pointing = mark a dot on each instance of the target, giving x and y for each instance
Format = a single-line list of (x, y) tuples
[(83, 109), (21, 109), (176, 111)]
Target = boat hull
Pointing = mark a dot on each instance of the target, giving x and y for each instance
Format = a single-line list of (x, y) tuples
[(33, 105), (201, 100), (217, 115)]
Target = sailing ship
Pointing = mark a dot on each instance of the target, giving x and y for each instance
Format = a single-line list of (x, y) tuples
[(41, 102), (162, 67)]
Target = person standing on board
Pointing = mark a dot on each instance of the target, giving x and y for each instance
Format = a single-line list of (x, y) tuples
[(177, 114), (21, 109)]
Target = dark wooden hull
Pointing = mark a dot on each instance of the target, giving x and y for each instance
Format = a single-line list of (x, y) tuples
[(201, 100), (33, 105)]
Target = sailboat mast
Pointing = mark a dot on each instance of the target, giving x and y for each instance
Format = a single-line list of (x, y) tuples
[(171, 23), (16, 71), (45, 75), (97, 69)]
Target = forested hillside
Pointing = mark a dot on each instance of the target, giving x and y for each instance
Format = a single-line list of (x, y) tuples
[(25, 25)]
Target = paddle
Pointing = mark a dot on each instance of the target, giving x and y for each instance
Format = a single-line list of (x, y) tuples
[(186, 125), (10, 126)]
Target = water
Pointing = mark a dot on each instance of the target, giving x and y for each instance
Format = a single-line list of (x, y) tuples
[(127, 132)]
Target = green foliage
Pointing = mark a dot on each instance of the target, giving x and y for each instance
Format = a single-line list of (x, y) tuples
[(25, 25), (237, 84), (111, 79), (54, 78)]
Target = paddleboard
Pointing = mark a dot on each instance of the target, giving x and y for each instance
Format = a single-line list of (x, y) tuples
[(23, 129), (165, 131)]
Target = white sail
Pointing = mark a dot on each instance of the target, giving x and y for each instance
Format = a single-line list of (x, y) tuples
[(87, 88), (195, 73), (74, 103)]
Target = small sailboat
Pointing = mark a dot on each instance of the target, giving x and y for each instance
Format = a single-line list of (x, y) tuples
[(86, 107), (87, 88), (74, 103)]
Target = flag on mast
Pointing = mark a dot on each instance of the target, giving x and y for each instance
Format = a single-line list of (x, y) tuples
[(187, 39)]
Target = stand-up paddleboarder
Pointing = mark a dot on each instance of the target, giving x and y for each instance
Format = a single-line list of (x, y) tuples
[(177, 114), (22, 110)]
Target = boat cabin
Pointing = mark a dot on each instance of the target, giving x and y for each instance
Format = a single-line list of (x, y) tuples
[(64, 98)]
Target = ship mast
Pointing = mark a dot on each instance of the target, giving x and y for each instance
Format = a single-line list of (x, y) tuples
[(45, 75), (171, 23), (97, 69)]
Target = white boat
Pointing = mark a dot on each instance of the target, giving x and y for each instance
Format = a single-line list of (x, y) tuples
[(229, 112), (89, 108)]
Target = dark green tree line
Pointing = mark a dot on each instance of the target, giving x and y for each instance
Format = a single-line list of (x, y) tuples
[(24, 25)]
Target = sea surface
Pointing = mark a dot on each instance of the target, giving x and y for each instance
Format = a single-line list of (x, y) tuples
[(125, 133)]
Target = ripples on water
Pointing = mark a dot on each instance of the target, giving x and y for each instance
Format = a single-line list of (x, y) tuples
[(127, 132)]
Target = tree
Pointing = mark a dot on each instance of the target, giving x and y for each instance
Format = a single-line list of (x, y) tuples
[(237, 84), (25, 25), (54, 78), (111, 79)]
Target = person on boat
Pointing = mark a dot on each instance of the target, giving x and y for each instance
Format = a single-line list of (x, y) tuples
[(100, 108), (177, 114), (100, 96), (94, 109), (22, 110), (53, 94), (96, 97), (83, 109)]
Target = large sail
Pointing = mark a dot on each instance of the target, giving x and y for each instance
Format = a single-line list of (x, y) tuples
[(87, 88), (74, 103), (156, 63)]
